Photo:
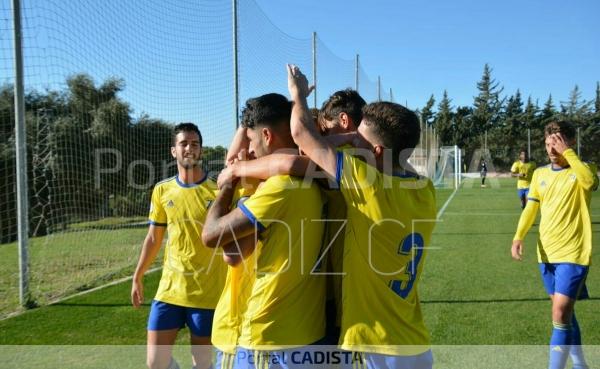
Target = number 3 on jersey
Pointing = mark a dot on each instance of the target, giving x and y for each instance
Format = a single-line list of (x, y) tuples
[(412, 246)]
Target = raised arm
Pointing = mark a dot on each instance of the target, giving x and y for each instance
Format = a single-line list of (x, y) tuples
[(585, 176), (304, 131), (238, 144), (265, 167)]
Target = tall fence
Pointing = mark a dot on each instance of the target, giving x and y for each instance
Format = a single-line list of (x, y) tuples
[(104, 82)]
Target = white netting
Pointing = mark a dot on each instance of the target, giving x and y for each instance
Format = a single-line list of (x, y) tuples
[(105, 82)]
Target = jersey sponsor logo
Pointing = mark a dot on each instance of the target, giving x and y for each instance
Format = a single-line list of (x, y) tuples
[(170, 204), (572, 177), (543, 184)]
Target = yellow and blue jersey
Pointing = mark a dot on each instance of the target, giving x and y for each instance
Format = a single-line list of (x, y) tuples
[(193, 275), (525, 170), (564, 197), (390, 221), (287, 302)]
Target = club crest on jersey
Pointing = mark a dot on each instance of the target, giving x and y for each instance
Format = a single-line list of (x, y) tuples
[(170, 204)]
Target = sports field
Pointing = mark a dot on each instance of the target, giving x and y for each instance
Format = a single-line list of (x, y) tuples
[(472, 292)]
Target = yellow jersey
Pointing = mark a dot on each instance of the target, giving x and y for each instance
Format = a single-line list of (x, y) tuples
[(390, 221), (233, 302), (525, 170), (564, 197), (287, 303), (193, 275)]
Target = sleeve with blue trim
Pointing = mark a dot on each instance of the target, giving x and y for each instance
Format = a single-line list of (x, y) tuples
[(534, 193), (268, 203), (157, 216)]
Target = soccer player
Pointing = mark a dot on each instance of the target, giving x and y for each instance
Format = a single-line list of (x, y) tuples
[(341, 113), (562, 191), (523, 170), (285, 307), (192, 279), (483, 172), (391, 213)]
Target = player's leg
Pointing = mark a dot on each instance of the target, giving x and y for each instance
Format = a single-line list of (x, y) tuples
[(565, 283), (200, 323), (562, 330), (164, 323)]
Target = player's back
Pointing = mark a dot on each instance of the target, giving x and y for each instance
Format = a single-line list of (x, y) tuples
[(390, 221)]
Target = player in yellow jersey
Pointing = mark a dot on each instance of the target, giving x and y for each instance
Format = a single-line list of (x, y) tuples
[(523, 170), (285, 308), (391, 213), (340, 113), (192, 278), (562, 192)]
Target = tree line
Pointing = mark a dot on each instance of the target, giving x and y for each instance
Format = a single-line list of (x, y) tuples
[(72, 133), (506, 121), (88, 157)]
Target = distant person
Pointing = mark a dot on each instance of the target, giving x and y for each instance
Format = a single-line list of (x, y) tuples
[(191, 280), (523, 170), (562, 191), (483, 172)]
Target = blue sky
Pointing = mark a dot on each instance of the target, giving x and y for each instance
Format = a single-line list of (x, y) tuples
[(424, 47), (176, 55)]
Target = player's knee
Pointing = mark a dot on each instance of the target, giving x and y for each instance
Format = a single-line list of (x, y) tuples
[(562, 314)]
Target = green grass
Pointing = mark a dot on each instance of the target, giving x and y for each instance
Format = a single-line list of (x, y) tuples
[(472, 292), (63, 263)]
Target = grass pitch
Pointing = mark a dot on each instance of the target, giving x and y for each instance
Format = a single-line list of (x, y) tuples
[(472, 292)]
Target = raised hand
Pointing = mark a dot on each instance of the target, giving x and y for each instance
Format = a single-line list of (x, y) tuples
[(558, 143), (298, 83)]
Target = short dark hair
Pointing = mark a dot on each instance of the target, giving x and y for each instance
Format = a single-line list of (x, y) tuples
[(564, 127), (185, 127), (344, 101), (271, 110), (396, 126)]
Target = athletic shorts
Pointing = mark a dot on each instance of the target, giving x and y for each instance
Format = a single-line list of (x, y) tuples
[(164, 316), (565, 278), (364, 360), (523, 192)]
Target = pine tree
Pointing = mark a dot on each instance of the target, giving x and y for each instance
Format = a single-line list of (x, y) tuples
[(487, 105), (443, 121), (427, 114)]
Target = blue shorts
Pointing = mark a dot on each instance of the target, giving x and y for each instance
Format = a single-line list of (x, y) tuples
[(565, 278), (165, 316), (380, 361), (523, 192)]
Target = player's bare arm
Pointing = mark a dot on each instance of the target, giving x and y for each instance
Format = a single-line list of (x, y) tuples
[(223, 226), (304, 131), (150, 249)]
